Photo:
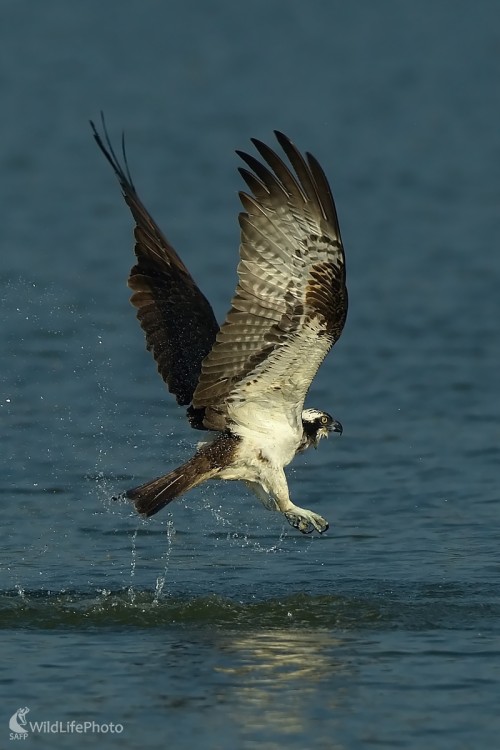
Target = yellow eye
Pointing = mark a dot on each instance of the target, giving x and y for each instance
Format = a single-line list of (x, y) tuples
[(324, 419)]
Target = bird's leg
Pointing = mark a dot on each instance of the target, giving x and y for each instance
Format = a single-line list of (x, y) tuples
[(300, 518), (265, 498)]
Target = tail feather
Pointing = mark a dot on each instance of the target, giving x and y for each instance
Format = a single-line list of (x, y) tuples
[(151, 497), (209, 461)]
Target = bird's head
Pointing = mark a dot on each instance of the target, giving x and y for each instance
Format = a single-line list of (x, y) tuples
[(318, 424)]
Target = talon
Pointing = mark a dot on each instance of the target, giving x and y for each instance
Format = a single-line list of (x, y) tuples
[(306, 521)]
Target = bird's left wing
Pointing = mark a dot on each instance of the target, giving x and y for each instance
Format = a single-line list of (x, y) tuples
[(178, 320), (290, 304)]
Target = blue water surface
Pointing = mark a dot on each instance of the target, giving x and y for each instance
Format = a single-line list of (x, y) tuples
[(215, 624)]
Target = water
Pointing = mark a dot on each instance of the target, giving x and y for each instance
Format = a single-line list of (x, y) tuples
[(215, 624)]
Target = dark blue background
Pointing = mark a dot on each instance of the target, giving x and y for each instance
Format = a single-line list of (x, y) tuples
[(215, 623)]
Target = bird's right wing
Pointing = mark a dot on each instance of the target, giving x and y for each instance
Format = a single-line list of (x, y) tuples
[(290, 304), (178, 320)]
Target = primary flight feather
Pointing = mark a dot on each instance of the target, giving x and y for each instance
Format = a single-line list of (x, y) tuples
[(248, 380)]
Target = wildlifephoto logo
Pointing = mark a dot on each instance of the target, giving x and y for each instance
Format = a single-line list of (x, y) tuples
[(21, 728), (17, 724)]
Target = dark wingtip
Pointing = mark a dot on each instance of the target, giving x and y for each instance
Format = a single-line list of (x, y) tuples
[(104, 143), (282, 138)]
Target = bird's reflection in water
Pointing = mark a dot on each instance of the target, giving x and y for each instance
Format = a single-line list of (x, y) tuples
[(276, 677)]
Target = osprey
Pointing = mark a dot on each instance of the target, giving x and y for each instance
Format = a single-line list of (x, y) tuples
[(247, 380)]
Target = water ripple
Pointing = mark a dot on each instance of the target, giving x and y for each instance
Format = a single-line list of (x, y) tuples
[(426, 607)]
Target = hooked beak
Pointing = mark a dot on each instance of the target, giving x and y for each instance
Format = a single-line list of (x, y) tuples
[(336, 427)]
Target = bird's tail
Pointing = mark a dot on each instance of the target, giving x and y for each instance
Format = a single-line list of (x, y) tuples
[(209, 461)]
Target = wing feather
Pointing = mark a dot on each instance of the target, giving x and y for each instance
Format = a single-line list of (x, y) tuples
[(178, 321), (290, 303)]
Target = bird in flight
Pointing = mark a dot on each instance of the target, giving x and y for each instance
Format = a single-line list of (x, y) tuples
[(246, 381)]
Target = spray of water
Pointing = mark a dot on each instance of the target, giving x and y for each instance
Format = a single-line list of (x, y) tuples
[(160, 581)]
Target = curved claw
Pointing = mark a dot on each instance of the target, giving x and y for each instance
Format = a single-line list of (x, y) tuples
[(306, 521)]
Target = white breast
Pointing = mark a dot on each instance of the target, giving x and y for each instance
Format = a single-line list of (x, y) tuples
[(266, 432)]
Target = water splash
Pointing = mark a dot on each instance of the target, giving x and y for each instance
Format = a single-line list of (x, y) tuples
[(161, 579), (133, 565), (20, 591)]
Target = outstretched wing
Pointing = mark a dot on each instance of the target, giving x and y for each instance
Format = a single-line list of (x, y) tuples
[(178, 321), (290, 304)]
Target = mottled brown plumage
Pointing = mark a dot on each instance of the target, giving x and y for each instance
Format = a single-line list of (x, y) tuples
[(178, 320), (248, 380), (206, 463), (291, 273)]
